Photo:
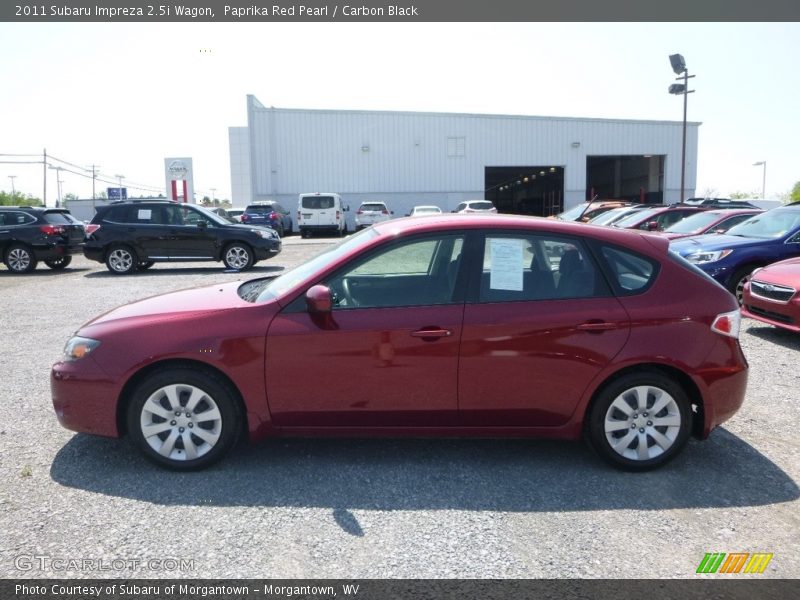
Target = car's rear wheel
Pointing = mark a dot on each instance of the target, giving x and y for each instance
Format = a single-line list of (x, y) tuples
[(121, 260), (184, 419), (59, 263), (238, 256), (641, 421), (20, 259)]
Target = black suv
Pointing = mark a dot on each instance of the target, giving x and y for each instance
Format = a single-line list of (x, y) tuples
[(30, 234), (131, 235)]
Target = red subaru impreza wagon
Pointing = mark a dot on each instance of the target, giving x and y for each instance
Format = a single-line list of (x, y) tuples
[(453, 325)]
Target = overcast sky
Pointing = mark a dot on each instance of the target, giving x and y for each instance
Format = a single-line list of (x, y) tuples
[(125, 96)]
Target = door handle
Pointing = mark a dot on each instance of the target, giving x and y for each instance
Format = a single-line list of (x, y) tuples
[(597, 325), (434, 333)]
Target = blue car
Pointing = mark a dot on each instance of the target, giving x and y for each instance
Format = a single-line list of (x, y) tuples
[(763, 239), (269, 214)]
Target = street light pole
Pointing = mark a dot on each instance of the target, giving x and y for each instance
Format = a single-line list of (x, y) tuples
[(59, 181), (679, 67), (762, 163)]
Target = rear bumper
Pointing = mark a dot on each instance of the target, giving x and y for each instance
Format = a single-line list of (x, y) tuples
[(94, 253), (56, 250), (334, 227)]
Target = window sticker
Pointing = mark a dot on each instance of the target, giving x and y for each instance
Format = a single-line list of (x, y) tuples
[(145, 214), (506, 267)]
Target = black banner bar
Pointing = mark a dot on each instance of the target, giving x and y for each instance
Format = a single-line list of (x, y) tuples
[(266, 11), (736, 587)]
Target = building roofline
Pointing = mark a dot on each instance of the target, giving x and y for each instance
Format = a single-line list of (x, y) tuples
[(257, 105)]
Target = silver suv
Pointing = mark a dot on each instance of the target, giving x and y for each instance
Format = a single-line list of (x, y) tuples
[(370, 213)]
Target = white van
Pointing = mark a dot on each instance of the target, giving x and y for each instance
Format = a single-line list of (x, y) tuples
[(321, 211)]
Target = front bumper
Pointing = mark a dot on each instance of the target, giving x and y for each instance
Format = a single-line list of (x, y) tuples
[(84, 398), (780, 314)]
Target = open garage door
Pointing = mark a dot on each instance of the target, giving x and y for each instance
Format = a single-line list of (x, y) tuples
[(534, 190), (634, 178)]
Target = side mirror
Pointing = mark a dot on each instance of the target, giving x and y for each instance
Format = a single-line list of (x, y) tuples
[(652, 226), (202, 224), (319, 299)]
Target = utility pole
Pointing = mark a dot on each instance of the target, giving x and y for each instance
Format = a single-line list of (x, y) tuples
[(13, 190), (44, 171), (94, 169)]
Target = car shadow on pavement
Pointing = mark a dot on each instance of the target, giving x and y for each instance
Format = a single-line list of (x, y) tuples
[(214, 270), (784, 337), (424, 474)]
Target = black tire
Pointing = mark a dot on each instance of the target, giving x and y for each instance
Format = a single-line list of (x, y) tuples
[(58, 264), (20, 259), (736, 286), (280, 230), (121, 260), (216, 415), (646, 438), (290, 231), (238, 256), (143, 266), (304, 233)]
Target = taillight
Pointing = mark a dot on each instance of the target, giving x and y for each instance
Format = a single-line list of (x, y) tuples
[(273, 216), (90, 229), (359, 212), (245, 218), (337, 215), (385, 212), (52, 229), (728, 323), (298, 216)]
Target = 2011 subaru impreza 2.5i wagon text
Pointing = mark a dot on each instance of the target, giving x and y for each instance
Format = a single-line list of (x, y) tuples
[(455, 325)]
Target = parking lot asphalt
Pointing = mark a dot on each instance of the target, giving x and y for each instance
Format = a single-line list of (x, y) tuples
[(340, 508)]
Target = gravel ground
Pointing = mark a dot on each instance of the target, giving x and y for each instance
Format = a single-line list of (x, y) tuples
[(372, 508)]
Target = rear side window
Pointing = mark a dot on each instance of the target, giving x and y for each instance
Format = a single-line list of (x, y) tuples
[(317, 202), (631, 273)]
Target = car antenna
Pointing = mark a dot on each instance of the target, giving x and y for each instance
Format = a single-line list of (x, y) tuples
[(585, 208)]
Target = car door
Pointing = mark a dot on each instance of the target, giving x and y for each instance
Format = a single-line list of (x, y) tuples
[(144, 227), (388, 355), (539, 324), (191, 233)]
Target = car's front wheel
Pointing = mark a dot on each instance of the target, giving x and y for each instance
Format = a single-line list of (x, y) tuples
[(738, 280), (238, 256), (20, 259), (59, 263), (121, 260), (184, 419), (640, 421)]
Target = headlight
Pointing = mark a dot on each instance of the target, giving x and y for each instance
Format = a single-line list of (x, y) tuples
[(78, 347), (267, 234), (699, 258)]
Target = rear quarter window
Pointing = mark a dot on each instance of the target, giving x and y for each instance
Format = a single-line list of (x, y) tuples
[(631, 273)]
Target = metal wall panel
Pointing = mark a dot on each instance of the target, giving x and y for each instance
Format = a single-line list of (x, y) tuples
[(364, 153)]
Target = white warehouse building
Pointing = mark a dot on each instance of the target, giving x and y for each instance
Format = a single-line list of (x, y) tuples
[(524, 164)]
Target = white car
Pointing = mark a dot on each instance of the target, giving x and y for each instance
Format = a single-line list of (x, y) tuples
[(370, 213), (236, 214), (475, 206), (423, 211)]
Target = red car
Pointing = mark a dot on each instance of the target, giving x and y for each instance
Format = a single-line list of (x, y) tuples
[(657, 218), (709, 221), (485, 325), (771, 295)]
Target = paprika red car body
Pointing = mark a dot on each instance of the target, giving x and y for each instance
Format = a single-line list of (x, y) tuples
[(456, 325)]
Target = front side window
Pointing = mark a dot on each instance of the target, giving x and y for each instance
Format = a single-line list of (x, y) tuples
[(524, 267), (412, 273)]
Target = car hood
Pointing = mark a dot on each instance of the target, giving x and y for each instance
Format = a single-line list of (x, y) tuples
[(180, 304), (713, 241), (785, 272)]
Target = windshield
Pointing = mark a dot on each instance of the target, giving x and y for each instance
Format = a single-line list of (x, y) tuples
[(695, 223), (261, 209), (609, 216), (288, 280), (770, 225), (637, 217), (373, 207), (427, 210), (573, 213)]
